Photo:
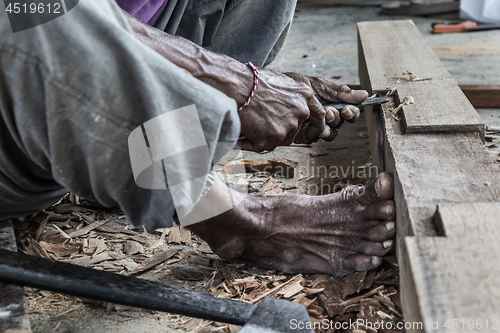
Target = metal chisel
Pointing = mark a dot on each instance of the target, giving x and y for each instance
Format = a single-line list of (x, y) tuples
[(368, 101)]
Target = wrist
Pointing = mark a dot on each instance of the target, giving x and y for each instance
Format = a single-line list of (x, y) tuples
[(233, 78)]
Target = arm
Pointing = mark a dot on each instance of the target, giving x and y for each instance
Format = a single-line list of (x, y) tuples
[(204, 65), (277, 113)]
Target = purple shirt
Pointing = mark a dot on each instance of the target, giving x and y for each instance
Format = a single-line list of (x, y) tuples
[(148, 11)]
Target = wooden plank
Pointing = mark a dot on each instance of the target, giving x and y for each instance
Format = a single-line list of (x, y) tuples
[(458, 276), (483, 96), (429, 169), (479, 95), (14, 317), (437, 168), (424, 9), (374, 125), (392, 47)]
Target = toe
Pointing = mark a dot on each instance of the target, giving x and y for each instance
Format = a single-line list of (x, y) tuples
[(375, 248), (360, 262), (383, 210), (381, 188), (381, 232)]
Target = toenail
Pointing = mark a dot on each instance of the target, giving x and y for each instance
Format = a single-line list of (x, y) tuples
[(390, 226), (378, 186), (387, 244), (348, 113), (376, 261), (389, 208)]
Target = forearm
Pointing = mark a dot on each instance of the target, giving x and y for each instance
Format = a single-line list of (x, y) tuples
[(219, 71)]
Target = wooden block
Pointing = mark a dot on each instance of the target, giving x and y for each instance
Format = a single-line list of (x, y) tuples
[(458, 276), (14, 318), (392, 47), (483, 96), (435, 154), (437, 168), (430, 169)]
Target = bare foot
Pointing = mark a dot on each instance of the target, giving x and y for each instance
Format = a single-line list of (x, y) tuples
[(335, 234)]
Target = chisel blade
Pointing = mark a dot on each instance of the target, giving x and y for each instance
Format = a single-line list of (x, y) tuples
[(368, 101)]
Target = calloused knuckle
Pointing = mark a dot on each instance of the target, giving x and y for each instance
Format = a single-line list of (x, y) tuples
[(306, 90), (320, 113), (304, 113), (278, 135)]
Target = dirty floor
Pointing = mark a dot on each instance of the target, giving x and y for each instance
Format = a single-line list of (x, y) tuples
[(322, 42)]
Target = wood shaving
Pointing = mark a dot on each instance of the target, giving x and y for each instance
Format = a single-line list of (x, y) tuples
[(406, 101), (373, 295), (392, 89), (412, 76)]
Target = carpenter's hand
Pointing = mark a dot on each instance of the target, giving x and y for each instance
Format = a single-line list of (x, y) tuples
[(326, 92), (277, 113)]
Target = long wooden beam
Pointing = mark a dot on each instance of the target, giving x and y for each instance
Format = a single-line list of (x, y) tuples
[(458, 276), (479, 95), (435, 151)]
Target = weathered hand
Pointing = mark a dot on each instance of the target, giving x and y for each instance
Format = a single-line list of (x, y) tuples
[(277, 113), (327, 92)]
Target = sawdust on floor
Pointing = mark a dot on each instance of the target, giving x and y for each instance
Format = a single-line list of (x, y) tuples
[(77, 233)]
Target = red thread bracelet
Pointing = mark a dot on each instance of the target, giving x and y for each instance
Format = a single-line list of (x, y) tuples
[(256, 82)]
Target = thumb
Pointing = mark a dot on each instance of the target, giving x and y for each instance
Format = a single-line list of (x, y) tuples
[(353, 96)]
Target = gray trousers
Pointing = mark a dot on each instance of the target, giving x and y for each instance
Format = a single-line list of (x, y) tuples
[(247, 30), (73, 90)]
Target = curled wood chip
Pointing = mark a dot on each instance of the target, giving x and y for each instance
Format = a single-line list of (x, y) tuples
[(406, 101), (392, 89), (412, 76)]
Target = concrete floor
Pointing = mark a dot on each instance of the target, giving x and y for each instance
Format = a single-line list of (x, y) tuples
[(322, 42)]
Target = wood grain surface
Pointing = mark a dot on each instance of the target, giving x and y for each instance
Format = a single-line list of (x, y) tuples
[(457, 277), (392, 47), (437, 157)]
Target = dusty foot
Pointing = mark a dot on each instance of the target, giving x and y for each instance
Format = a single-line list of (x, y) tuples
[(335, 234)]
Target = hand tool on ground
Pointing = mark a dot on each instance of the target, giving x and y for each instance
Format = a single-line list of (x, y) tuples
[(340, 105), (270, 316), (467, 26)]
